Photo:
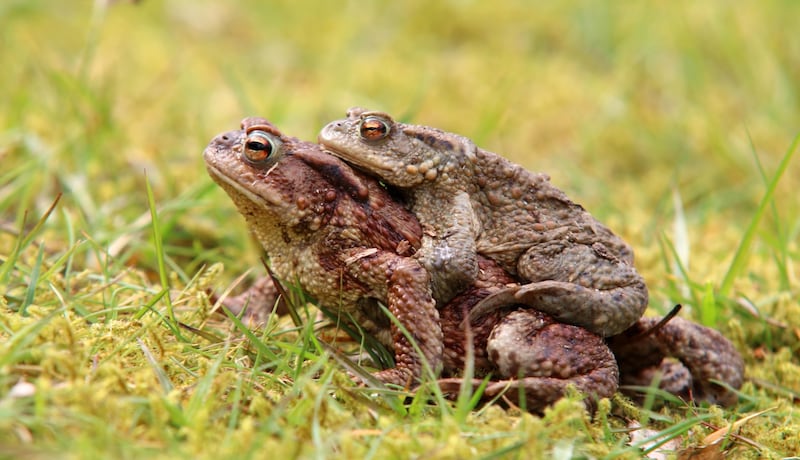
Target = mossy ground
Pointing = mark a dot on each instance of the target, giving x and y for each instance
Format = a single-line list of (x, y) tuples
[(668, 121)]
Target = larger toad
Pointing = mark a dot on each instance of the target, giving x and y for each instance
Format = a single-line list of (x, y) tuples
[(471, 201), (689, 360)]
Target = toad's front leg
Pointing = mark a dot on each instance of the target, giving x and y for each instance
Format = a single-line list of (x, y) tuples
[(408, 299), (448, 249)]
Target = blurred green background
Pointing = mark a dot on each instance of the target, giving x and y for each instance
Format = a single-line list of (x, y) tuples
[(618, 102), (665, 119)]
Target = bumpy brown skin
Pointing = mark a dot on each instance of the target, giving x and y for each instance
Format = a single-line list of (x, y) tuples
[(702, 355), (531, 358), (471, 201), (348, 243), (336, 233)]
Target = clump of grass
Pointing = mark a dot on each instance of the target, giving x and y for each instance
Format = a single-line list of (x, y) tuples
[(109, 104)]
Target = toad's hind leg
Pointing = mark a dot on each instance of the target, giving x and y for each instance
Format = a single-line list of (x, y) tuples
[(537, 359), (583, 285), (707, 354)]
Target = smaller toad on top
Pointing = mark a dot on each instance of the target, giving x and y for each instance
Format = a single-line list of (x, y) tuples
[(471, 201)]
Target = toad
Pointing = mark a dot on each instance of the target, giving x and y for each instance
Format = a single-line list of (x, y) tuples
[(343, 239), (471, 201)]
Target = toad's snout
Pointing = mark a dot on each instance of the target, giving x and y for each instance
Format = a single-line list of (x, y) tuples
[(331, 131), (225, 141)]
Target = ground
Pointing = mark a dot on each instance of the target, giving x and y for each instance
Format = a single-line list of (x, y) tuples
[(672, 123)]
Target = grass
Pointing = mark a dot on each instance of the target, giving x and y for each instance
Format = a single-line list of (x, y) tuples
[(675, 124)]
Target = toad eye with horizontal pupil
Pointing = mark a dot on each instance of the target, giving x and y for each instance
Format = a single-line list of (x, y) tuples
[(373, 129), (260, 146)]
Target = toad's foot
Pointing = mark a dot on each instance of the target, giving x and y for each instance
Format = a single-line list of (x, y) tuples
[(604, 312), (704, 352)]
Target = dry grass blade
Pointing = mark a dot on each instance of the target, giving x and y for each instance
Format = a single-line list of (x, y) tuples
[(721, 433)]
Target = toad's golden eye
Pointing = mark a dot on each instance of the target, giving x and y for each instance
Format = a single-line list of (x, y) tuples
[(260, 146), (373, 128)]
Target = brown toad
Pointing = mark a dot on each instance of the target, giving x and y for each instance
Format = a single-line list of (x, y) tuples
[(471, 201), (345, 241), (337, 234)]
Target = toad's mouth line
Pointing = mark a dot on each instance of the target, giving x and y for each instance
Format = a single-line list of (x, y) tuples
[(359, 162), (240, 188)]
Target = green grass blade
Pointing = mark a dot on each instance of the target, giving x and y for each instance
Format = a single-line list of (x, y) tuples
[(34, 280), (23, 242), (708, 307), (261, 348), (163, 378), (162, 266), (740, 257), (660, 438)]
